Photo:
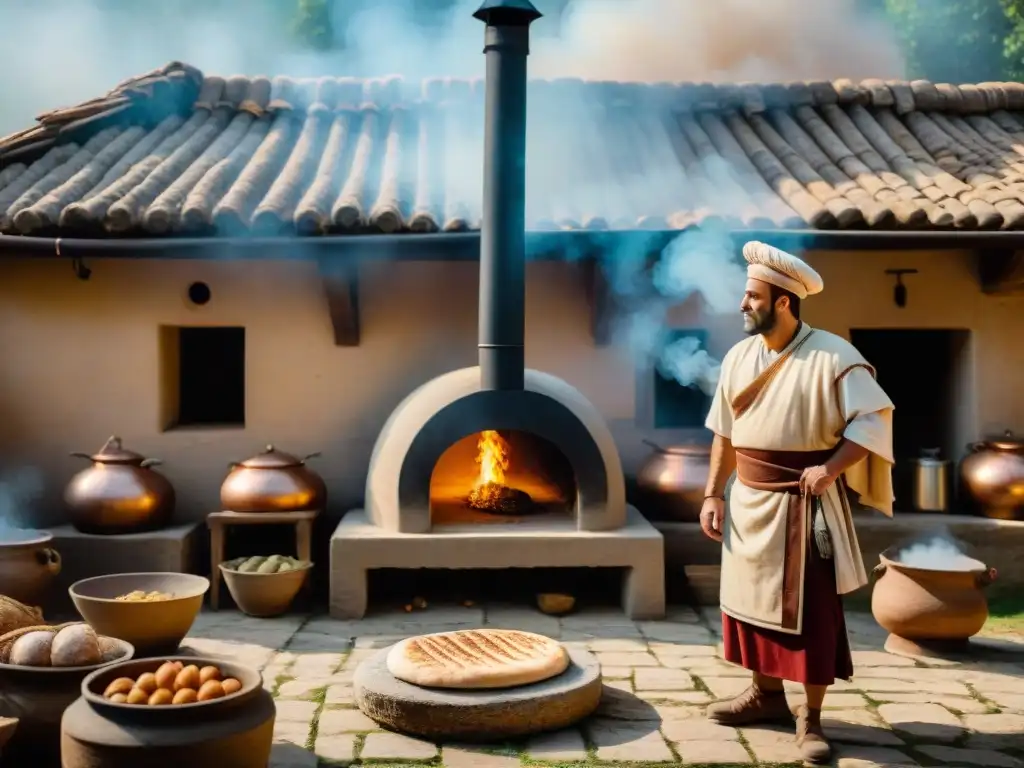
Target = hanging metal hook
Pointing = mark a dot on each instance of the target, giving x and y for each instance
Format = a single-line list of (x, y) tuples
[(82, 272), (899, 291)]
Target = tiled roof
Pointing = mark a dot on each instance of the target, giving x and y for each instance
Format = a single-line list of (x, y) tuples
[(174, 152)]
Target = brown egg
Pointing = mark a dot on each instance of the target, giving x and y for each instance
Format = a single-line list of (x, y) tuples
[(147, 682), (165, 674), (160, 697), (212, 689), (185, 696), (178, 665), (121, 685), (208, 673), (119, 698), (230, 685), (187, 678), (135, 696)]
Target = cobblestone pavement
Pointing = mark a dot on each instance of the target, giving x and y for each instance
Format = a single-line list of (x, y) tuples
[(658, 677)]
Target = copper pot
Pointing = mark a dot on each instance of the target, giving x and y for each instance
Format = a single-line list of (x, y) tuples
[(28, 565), (922, 604), (992, 476), (672, 480), (273, 481), (119, 493)]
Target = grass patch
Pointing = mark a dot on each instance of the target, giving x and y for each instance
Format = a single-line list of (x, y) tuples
[(1005, 611)]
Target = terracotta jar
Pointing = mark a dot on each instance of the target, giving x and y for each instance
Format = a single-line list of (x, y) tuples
[(992, 476), (671, 482), (921, 604), (273, 481), (28, 565), (119, 493), (231, 732)]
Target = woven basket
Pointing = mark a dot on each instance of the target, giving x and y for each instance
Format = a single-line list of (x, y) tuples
[(15, 615)]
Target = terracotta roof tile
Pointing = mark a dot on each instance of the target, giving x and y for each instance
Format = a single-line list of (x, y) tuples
[(173, 151)]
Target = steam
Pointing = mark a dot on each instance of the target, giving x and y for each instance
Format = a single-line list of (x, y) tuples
[(699, 262), (939, 553), (90, 45), (19, 488)]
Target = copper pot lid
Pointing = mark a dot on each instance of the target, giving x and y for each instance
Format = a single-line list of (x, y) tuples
[(686, 449), (1004, 442), (271, 458), (112, 452)]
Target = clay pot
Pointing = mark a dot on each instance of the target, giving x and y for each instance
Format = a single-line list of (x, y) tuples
[(273, 481), (27, 566), (922, 604), (671, 482), (119, 493), (265, 594), (992, 476), (232, 732), (37, 698)]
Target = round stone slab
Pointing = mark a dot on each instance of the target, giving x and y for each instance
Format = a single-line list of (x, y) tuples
[(476, 715)]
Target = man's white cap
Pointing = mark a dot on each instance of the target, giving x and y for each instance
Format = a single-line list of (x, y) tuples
[(781, 269)]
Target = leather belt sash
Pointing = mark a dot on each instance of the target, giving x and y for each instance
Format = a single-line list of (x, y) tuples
[(779, 472)]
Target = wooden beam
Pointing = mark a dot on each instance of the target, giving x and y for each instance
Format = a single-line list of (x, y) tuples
[(341, 287), (1000, 270), (603, 307)]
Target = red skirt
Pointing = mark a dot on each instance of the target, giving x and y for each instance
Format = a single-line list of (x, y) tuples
[(820, 655)]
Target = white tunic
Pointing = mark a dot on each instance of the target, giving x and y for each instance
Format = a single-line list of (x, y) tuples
[(821, 392)]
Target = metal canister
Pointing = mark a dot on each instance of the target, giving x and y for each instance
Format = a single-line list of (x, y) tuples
[(931, 482)]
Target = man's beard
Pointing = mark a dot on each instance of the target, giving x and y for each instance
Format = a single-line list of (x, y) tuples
[(759, 323)]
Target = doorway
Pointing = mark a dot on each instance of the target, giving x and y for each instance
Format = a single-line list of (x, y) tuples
[(925, 373)]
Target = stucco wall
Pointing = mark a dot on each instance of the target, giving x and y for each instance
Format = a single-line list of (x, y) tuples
[(80, 359)]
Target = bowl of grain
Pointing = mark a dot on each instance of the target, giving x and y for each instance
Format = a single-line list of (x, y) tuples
[(152, 611)]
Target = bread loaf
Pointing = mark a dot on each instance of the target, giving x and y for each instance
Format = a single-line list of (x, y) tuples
[(477, 658)]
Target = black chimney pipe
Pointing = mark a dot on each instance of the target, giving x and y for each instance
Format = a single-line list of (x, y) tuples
[(503, 225)]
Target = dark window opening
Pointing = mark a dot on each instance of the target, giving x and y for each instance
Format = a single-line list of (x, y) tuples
[(927, 415), (677, 406), (203, 377)]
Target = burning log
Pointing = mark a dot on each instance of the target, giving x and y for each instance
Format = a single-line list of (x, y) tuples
[(491, 494)]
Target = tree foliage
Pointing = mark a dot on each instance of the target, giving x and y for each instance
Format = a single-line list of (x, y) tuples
[(961, 41), (312, 24)]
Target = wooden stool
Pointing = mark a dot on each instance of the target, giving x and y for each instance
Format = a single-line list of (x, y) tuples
[(218, 521)]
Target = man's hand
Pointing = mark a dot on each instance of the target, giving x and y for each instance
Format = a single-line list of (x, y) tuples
[(712, 517), (816, 481)]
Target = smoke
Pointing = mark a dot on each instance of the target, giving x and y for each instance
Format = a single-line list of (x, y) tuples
[(67, 51), (59, 52), (19, 488), (939, 552)]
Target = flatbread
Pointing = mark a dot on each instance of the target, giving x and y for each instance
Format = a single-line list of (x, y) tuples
[(477, 658)]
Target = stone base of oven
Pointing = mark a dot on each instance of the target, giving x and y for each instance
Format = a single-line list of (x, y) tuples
[(358, 546)]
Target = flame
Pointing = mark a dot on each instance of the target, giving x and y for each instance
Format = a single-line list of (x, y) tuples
[(493, 457)]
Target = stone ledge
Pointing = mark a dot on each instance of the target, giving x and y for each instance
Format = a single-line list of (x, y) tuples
[(84, 555)]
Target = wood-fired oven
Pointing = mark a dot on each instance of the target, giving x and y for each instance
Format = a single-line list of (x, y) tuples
[(497, 466)]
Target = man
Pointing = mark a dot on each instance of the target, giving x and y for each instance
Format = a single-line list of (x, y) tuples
[(799, 417)]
